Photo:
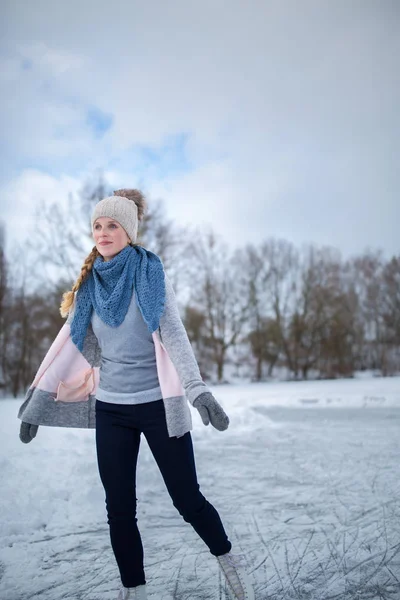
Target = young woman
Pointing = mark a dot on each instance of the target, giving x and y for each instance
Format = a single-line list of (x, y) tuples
[(123, 363)]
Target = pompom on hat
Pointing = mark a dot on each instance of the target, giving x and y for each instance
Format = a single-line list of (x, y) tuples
[(126, 206)]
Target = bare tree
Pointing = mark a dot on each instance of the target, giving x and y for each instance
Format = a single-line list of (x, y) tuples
[(265, 345), (23, 343), (261, 330), (62, 235), (366, 272), (195, 324), (165, 238), (218, 291), (282, 264), (390, 312), (319, 306)]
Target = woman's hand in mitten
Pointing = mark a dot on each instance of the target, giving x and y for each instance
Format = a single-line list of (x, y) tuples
[(211, 411), (27, 432)]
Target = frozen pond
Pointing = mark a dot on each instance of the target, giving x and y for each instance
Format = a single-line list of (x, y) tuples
[(306, 480)]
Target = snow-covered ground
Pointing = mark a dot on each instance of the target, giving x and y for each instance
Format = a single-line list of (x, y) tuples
[(306, 480)]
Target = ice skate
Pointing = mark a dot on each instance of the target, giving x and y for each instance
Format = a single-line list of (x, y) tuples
[(134, 593), (233, 568)]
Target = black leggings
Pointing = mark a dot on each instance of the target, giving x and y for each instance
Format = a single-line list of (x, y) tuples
[(118, 429)]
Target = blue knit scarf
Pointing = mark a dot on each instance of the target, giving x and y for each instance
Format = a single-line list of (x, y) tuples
[(108, 290)]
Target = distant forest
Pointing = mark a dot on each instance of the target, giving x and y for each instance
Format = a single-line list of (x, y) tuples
[(261, 308)]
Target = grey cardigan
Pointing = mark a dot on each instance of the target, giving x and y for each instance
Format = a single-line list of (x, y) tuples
[(50, 401)]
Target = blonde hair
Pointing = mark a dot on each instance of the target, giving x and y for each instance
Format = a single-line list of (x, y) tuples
[(68, 297)]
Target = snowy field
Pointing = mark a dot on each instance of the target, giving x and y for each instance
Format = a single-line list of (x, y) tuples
[(306, 480)]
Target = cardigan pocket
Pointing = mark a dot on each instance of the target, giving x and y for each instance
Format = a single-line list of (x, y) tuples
[(77, 389)]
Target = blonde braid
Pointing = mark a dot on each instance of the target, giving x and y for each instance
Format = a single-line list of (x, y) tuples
[(68, 297)]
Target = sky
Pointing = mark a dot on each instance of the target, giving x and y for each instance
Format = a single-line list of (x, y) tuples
[(260, 118)]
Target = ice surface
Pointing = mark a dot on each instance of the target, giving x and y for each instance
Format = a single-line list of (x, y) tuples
[(306, 480)]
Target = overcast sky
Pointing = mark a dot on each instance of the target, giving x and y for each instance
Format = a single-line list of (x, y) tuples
[(261, 118)]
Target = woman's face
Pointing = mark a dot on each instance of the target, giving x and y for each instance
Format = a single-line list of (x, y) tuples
[(109, 236)]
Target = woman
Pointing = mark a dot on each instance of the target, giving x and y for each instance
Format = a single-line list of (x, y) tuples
[(123, 363)]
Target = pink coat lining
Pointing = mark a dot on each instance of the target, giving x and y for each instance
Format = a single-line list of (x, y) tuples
[(65, 372)]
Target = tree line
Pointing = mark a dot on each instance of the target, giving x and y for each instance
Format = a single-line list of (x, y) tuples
[(259, 309)]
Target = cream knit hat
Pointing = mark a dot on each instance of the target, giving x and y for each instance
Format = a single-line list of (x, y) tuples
[(123, 209)]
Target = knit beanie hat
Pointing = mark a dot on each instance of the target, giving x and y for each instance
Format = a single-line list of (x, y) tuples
[(126, 207)]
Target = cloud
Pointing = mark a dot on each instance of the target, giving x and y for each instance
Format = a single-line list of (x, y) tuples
[(288, 110), (21, 195), (48, 60), (41, 126)]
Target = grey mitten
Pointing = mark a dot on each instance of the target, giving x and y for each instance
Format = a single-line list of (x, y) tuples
[(27, 432), (211, 410)]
